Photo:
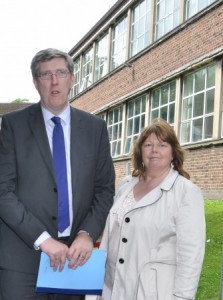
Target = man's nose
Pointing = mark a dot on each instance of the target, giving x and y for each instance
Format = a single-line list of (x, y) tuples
[(54, 78)]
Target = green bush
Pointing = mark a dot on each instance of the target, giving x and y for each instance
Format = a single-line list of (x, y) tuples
[(210, 281)]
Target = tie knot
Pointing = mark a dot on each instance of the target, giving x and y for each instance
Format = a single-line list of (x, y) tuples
[(56, 120)]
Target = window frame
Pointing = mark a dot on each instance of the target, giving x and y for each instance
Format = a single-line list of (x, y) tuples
[(115, 143), (118, 51), (191, 117), (131, 118)]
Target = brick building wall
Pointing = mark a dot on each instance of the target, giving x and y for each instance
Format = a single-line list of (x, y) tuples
[(195, 42), (204, 166), (170, 56)]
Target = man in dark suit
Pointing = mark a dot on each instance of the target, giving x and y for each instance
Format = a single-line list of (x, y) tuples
[(28, 184)]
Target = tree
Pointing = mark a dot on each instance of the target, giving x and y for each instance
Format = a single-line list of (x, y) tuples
[(20, 100)]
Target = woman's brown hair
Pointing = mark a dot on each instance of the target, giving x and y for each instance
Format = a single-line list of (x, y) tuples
[(163, 132)]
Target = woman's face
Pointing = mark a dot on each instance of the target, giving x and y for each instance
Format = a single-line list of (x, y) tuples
[(156, 154)]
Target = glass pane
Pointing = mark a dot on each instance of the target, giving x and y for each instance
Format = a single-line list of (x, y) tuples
[(187, 109), (191, 8), (159, 31), (142, 8), (136, 12), (142, 122), (155, 114), (188, 85), (210, 76), (176, 18), (118, 148), (198, 105), (202, 4), (136, 125), (168, 23), (200, 80), (110, 133), (169, 7), (134, 32), (143, 104), (110, 117), (209, 102), (140, 43), (171, 113), (115, 132), (130, 108), (163, 113), (172, 91), (127, 145), (137, 107), (208, 128), (117, 115), (130, 127), (155, 98), (185, 132), (197, 130), (164, 94), (113, 146)]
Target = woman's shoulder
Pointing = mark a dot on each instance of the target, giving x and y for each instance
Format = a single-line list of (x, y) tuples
[(124, 184), (127, 180), (184, 184)]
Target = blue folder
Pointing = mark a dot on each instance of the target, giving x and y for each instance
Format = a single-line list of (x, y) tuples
[(86, 279)]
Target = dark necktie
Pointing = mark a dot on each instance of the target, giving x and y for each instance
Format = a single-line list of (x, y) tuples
[(59, 159)]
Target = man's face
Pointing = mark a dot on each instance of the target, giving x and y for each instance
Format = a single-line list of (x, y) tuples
[(53, 89)]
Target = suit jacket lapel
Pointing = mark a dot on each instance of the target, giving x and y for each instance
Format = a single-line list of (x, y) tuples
[(38, 129)]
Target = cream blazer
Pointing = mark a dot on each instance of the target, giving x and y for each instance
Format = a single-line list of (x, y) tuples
[(165, 233)]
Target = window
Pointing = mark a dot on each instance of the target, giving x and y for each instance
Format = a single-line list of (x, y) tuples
[(119, 35), (87, 79), (75, 89), (222, 124), (163, 102), (198, 105), (102, 116), (101, 59), (115, 130), (140, 28), (194, 6), (136, 111), (167, 16)]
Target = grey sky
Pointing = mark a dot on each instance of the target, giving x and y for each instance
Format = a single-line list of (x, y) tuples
[(27, 26)]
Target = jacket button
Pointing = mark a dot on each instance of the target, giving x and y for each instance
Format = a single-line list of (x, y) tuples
[(121, 260), (127, 220), (54, 218), (124, 240), (55, 190)]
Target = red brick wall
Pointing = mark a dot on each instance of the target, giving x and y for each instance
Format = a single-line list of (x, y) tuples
[(205, 166), (188, 44)]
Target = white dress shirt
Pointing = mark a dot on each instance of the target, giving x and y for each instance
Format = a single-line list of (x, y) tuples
[(65, 122)]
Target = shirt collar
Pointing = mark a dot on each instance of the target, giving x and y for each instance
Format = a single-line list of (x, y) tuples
[(65, 115)]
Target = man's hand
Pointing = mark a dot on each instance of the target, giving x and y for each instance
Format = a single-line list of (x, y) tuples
[(80, 250), (56, 251)]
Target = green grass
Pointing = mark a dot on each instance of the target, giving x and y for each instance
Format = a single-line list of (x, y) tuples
[(210, 281)]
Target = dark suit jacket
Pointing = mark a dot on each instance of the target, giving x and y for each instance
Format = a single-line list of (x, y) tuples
[(28, 194)]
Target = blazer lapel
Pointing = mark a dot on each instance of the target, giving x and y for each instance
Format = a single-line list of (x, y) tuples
[(38, 129)]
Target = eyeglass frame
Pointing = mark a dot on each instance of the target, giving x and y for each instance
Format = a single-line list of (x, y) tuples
[(48, 75)]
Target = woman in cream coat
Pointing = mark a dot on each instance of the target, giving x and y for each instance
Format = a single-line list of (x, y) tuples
[(155, 232)]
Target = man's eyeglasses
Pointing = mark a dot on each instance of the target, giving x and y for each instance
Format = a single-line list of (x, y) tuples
[(48, 75)]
